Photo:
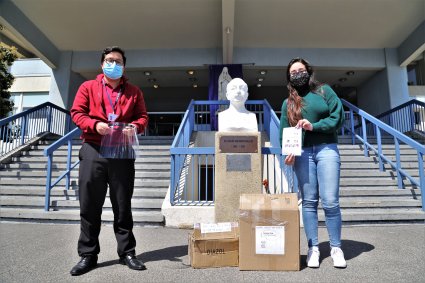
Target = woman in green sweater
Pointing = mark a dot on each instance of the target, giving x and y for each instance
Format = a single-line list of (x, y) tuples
[(317, 110)]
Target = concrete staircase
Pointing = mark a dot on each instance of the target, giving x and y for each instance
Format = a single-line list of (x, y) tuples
[(22, 185), (369, 195)]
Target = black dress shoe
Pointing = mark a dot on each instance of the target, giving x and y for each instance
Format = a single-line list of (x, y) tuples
[(132, 262), (86, 264)]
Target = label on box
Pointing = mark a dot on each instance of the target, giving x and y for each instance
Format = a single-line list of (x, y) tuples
[(270, 240), (216, 227)]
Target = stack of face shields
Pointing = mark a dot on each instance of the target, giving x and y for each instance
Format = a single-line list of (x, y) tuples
[(121, 142)]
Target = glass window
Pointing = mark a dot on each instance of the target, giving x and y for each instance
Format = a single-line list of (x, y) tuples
[(15, 97), (32, 99), (416, 71)]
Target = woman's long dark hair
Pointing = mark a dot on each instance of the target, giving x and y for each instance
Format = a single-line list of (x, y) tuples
[(294, 103)]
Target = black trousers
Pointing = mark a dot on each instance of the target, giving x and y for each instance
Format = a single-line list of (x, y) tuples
[(95, 174)]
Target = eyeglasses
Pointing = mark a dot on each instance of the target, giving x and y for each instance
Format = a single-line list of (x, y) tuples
[(296, 72), (111, 61)]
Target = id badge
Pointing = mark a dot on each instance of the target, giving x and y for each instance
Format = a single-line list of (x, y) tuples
[(112, 117)]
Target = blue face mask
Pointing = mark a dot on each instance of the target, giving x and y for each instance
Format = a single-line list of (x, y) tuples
[(112, 71)]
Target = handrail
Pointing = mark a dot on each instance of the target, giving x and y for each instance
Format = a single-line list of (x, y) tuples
[(49, 153), (401, 106), (407, 117), (20, 128), (274, 139), (182, 152), (268, 121), (31, 110), (397, 136)]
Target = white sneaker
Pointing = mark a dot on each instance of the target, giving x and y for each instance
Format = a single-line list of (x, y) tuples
[(313, 256), (338, 256)]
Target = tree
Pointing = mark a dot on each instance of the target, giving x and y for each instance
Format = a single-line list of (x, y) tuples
[(7, 56)]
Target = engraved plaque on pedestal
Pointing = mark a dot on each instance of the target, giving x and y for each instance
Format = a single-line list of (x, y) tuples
[(238, 162), (238, 144)]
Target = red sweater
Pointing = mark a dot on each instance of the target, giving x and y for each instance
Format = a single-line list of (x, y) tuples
[(89, 108)]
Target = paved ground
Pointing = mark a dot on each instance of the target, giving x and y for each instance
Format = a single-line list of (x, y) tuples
[(46, 253)]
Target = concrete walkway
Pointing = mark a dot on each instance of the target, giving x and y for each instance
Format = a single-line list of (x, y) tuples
[(46, 253)]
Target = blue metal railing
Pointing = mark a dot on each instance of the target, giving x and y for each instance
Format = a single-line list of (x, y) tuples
[(68, 140), (407, 117), (49, 151), (381, 128), (189, 161), (17, 130), (20, 128)]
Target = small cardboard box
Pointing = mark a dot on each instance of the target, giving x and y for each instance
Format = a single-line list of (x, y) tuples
[(214, 245), (269, 232)]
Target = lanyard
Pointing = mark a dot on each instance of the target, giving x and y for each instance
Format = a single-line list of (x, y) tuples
[(110, 99)]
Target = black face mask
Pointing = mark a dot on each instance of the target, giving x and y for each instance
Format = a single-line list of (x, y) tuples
[(299, 79)]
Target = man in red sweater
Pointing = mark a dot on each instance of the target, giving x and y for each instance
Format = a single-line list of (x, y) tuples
[(109, 98)]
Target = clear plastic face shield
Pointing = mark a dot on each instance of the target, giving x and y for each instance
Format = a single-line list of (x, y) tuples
[(121, 142)]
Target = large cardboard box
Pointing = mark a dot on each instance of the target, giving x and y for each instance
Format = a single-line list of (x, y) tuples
[(269, 232), (214, 245)]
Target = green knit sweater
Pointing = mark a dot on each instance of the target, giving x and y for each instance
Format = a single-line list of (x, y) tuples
[(325, 112)]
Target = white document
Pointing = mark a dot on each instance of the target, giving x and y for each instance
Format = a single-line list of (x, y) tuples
[(216, 227), (291, 141), (270, 240)]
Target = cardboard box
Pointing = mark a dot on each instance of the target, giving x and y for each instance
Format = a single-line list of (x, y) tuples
[(269, 232), (214, 245)]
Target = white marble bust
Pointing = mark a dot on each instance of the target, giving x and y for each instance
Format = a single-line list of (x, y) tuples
[(236, 118)]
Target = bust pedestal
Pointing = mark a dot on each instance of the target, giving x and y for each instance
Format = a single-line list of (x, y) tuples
[(238, 170)]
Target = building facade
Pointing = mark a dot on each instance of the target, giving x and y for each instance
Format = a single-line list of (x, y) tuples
[(374, 59)]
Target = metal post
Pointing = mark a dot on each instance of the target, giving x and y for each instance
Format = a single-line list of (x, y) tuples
[(397, 153), (24, 129), (48, 182), (68, 165), (378, 140), (172, 181), (422, 178), (49, 120), (365, 147), (352, 127)]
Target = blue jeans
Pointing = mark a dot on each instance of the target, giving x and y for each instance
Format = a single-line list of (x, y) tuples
[(317, 171)]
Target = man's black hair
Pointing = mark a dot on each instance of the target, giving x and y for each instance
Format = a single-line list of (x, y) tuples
[(108, 50)]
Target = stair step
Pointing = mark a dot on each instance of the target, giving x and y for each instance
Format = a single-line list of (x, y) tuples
[(375, 173), (42, 159), (370, 181), (364, 174), (367, 191), (361, 158), (389, 152), (374, 166), (64, 153), (17, 191), (77, 146), (361, 147), (29, 182), (368, 202), (139, 217), (62, 166), (379, 214), (8, 174), (57, 203)]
